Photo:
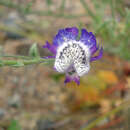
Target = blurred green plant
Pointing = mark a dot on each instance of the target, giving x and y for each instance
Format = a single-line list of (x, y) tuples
[(14, 125), (22, 9), (112, 29), (49, 2)]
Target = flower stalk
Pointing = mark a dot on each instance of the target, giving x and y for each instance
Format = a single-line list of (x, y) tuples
[(21, 63)]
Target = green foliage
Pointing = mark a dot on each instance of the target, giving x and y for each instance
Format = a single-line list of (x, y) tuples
[(113, 31), (33, 52), (14, 125), (28, 6), (49, 2)]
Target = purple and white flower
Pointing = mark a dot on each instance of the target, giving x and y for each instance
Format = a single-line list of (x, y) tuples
[(72, 53)]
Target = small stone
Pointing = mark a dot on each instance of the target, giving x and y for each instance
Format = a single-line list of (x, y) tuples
[(12, 21), (45, 125), (15, 101), (2, 113)]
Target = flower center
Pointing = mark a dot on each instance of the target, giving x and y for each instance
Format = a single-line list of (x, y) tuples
[(73, 53)]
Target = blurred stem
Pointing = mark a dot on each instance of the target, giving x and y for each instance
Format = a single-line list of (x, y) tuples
[(62, 7), (22, 9), (15, 56), (33, 35), (88, 11), (112, 5), (24, 62), (20, 63), (79, 27), (117, 109)]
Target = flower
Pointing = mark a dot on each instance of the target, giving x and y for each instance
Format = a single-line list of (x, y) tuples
[(72, 53)]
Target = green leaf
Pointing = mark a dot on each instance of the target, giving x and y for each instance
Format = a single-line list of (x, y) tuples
[(14, 125), (33, 52)]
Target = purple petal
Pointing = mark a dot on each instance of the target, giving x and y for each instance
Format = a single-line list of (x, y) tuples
[(84, 35), (99, 55), (77, 80), (72, 32), (69, 78), (50, 47), (59, 39), (88, 38), (94, 49), (65, 34)]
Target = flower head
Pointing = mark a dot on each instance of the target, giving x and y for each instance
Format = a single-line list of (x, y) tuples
[(72, 54)]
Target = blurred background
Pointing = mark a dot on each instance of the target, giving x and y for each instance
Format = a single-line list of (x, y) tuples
[(35, 97)]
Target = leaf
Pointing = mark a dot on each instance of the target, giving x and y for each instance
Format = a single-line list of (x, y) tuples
[(33, 51), (14, 125)]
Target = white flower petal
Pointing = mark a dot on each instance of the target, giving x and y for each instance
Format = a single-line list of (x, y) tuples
[(73, 53)]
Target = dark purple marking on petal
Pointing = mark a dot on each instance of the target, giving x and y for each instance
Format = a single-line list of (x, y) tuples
[(77, 80), (70, 78), (67, 79), (50, 47), (73, 32), (99, 55)]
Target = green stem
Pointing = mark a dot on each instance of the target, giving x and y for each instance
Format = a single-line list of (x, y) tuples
[(20, 63), (62, 7), (15, 56), (112, 5), (88, 11), (8, 62), (35, 35)]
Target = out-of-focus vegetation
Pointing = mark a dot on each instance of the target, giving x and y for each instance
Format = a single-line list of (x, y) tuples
[(103, 95), (111, 25), (14, 125)]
